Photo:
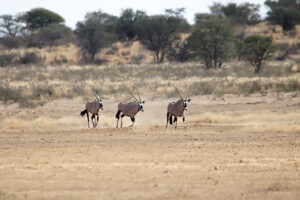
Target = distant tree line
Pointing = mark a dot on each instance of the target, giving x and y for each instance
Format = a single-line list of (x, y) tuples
[(212, 39)]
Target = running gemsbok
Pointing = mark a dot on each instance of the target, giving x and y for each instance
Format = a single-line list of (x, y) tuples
[(93, 107), (177, 109), (130, 109)]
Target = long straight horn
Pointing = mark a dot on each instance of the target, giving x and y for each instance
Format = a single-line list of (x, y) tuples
[(177, 90), (138, 94), (131, 94), (186, 92), (95, 94)]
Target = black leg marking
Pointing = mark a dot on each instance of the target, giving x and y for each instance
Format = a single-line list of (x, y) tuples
[(88, 119), (183, 119), (133, 120), (118, 117), (122, 120), (168, 115), (93, 120)]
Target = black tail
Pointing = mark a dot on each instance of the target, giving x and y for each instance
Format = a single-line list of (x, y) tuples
[(82, 113), (118, 114)]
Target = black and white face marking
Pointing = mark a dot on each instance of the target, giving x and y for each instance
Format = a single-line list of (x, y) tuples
[(100, 104), (141, 108), (185, 104)]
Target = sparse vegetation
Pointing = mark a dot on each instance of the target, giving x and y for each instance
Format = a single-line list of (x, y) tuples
[(36, 85)]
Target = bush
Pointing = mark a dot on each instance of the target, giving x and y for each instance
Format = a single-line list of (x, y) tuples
[(7, 59), (52, 35), (30, 58), (8, 93), (11, 42), (137, 59), (256, 49)]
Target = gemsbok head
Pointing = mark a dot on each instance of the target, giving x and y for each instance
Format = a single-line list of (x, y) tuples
[(130, 109), (93, 108), (177, 108)]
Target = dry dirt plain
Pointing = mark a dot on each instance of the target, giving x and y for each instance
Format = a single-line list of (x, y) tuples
[(235, 148)]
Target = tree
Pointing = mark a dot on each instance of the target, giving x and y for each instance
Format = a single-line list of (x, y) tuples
[(246, 13), (256, 49), (159, 32), (93, 34), (40, 17), (126, 25), (216, 10), (212, 41), (180, 51), (10, 25), (10, 30), (284, 12), (51, 35), (108, 21)]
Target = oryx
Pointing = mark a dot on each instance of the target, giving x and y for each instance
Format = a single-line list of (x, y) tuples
[(177, 109), (130, 109), (93, 107)]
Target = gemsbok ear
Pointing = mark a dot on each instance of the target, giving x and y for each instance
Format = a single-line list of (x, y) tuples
[(189, 100)]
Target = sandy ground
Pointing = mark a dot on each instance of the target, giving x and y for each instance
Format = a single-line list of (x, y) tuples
[(235, 148)]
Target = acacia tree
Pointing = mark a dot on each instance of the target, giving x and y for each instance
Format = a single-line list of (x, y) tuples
[(10, 25), (159, 32), (284, 12), (212, 41), (10, 30), (256, 49), (246, 13), (126, 26), (94, 34), (40, 17)]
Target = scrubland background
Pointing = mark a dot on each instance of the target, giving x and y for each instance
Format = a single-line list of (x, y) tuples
[(242, 140)]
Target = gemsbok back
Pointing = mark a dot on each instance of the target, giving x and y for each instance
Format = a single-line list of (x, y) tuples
[(177, 109), (130, 109), (93, 108)]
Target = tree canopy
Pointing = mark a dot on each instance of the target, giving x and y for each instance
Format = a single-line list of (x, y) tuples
[(40, 17), (159, 32), (94, 34), (284, 12), (212, 41), (256, 49)]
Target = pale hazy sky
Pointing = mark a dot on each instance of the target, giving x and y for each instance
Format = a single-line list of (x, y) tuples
[(74, 10)]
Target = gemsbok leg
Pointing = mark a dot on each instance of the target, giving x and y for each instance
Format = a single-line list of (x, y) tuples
[(168, 116), (132, 120), (88, 119), (175, 122), (118, 117), (93, 117), (97, 120), (122, 120), (183, 120)]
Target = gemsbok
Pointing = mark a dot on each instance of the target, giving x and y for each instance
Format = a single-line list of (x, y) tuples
[(177, 109), (93, 108), (130, 109)]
